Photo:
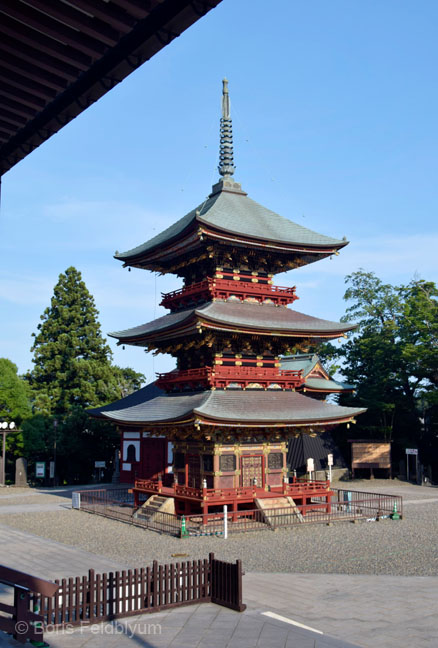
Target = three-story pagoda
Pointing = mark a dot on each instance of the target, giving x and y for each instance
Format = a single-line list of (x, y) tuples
[(228, 409)]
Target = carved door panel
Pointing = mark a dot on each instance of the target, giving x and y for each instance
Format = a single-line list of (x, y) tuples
[(153, 459), (193, 471), (252, 468)]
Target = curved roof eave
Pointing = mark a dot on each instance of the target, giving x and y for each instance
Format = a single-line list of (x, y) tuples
[(223, 211), (249, 316)]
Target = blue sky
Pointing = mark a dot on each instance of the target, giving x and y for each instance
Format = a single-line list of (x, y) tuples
[(334, 108)]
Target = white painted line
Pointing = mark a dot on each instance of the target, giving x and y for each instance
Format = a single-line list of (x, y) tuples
[(272, 615)]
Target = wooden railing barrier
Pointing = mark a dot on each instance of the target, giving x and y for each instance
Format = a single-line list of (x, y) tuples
[(24, 621), (104, 597)]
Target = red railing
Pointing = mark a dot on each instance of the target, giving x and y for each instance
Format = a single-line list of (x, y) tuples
[(221, 377), (241, 286), (319, 506), (212, 495)]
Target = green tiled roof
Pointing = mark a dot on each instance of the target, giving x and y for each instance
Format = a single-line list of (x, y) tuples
[(306, 362), (234, 212), (327, 385)]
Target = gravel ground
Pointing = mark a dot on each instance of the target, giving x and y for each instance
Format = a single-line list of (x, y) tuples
[(405, 547), (32, 498)]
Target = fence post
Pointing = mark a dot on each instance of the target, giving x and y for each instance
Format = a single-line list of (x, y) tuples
[(225, 521), (211, 578), (240, 606), (91, 593), (154, 584)]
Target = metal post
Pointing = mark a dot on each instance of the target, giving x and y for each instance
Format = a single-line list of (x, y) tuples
[(407, 467), (4, 457), (5, 429), (225, 521)]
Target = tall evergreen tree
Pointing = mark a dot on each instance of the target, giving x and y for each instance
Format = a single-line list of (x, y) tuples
[(72, 362)]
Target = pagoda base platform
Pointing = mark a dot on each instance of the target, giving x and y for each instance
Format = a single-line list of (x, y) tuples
[(190, 500)]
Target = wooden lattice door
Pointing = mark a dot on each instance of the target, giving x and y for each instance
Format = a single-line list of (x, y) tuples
[(252, 468), (193, 471)]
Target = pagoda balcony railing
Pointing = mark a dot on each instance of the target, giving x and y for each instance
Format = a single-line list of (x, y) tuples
[(294, 489), (222, 377), (241, 287)]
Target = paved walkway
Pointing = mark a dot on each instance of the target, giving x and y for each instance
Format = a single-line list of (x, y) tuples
[(47, 558), (284, 610)]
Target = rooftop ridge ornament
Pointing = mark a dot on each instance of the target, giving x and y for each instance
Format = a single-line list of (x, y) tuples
[(226, 166)]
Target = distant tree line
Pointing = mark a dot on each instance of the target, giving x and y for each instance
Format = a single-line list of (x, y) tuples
[(72, 372)]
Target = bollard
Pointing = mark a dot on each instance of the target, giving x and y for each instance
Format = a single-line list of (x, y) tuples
[(394, 514), (184, 532), (39, 629)]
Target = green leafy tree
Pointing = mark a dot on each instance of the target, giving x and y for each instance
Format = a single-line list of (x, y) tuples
[(14, 393), (391, 357), (14, 402)]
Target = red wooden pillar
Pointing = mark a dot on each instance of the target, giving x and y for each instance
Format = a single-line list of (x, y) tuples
[(234, 508), (204, 504), (329, 506)]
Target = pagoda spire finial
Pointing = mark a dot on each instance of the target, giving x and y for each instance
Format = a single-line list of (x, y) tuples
[(226, 162)]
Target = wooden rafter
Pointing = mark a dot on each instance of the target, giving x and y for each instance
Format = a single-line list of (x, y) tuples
[(58, 57)]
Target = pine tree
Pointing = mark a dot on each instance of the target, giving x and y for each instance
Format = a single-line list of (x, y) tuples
[(72, 362)]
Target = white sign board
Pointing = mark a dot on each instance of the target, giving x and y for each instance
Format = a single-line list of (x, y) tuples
[(40, 469), (411, 451), (310, 465), (99, 464), (52, 469), (330, 460)]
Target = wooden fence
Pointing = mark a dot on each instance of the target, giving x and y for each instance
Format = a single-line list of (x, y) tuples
[(24, 620), (103, 597)]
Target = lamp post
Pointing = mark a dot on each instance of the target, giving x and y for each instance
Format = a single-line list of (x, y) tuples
[(5, 428)]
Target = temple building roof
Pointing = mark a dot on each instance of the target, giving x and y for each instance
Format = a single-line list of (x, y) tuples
[(228, 216), (221, 315), (316, 377), (318, 446), (229, 211), (150, 405)]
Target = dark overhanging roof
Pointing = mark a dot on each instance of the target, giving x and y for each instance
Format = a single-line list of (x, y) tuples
[(150, 405), (58, 57)]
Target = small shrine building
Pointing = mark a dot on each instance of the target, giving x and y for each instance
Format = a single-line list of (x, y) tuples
[(215, 430)]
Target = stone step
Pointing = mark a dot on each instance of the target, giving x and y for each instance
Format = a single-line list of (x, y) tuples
[(275, 502), (152, 506), (268, 506)]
